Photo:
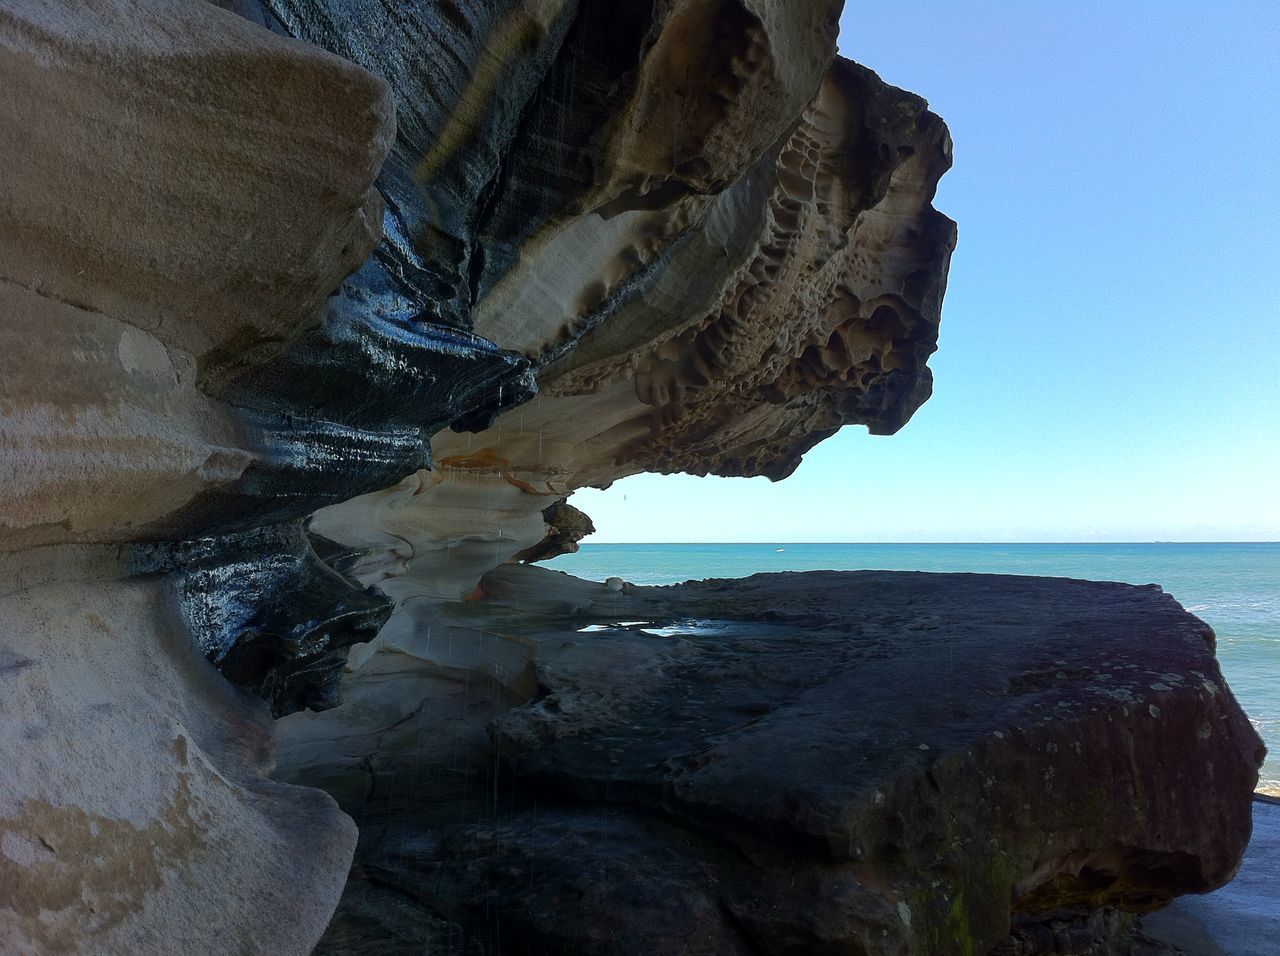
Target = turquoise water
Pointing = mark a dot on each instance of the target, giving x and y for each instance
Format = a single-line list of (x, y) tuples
[(1234, 587)]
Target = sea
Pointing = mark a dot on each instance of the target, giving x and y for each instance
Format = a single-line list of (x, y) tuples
[(1234, 587)]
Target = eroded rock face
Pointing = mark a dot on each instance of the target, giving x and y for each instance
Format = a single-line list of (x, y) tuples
[(268, 612), (865, 762), (803, 295), (566, 526), (181, 360), (178, 187), (181, 192), (136, 810), (525, 125), (712, 237)]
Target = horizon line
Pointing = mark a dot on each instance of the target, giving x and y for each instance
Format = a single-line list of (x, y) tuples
[(781, 541)]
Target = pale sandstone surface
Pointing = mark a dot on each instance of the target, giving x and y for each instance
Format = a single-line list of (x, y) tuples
[(179, 192), (764, 751), (183, 170), (136, 813), (103, 430)]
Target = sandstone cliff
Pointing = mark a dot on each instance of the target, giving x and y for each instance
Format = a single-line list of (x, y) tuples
[(314, 312)]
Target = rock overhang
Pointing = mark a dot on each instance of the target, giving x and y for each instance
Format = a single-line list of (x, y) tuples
[(591, 239)]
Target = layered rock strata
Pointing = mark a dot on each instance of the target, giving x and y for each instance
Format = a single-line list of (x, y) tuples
[(712, 237), (804, 297), (181, 196), (756, 765)]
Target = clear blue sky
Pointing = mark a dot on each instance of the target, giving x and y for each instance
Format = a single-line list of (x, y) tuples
[(1109, 365)]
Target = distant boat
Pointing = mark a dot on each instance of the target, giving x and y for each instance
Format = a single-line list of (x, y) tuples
[(779, 550)]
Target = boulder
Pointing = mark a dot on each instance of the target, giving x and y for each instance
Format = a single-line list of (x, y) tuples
[(856, 762)]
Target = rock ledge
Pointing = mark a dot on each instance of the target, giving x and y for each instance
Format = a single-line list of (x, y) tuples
[(866, 762)]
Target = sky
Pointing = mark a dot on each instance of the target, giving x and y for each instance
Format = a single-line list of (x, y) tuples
[(1109, 360)]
